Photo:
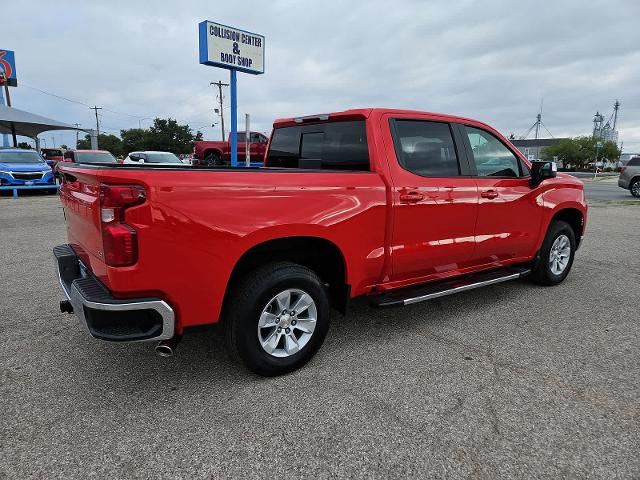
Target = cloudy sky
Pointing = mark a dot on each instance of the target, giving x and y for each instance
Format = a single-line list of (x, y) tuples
[(491, 60)]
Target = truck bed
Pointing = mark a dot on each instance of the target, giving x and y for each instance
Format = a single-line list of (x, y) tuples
[(197, 221)]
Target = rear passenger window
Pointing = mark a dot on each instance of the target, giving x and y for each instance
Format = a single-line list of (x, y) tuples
[(426, 148), (329, 146), (634, 162)]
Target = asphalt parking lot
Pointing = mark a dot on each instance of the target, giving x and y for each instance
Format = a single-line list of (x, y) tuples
[(510, 381)]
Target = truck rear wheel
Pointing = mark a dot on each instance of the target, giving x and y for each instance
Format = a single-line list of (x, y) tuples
[(556, 255), (213, 159), (277, 318), (634, 188)]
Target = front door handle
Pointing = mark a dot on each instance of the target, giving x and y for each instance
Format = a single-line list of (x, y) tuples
[(411, 197), (489, 194)]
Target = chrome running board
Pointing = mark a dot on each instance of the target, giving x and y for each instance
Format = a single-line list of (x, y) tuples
[(429, 291)]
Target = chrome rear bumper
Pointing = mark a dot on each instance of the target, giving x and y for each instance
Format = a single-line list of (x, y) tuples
[(106, 317)]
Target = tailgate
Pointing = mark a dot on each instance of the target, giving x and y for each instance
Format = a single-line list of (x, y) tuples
[(80, 196)]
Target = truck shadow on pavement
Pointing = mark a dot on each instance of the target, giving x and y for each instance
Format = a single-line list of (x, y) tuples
[(201, 357)]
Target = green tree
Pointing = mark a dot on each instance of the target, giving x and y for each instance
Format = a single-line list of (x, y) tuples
[(64, 147), (578, 152), (24, 145), (164, 135), (134, 139), (107, 142)]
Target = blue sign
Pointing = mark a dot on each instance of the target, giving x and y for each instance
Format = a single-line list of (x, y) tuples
[(8, 67), (233, 49)]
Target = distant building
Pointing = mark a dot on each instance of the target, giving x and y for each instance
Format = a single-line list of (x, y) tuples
[(532, 148)]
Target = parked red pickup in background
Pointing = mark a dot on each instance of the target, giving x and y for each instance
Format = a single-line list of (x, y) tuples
[(216, 153), (401, 206)]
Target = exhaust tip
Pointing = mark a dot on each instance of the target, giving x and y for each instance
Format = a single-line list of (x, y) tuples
[(164, 350)]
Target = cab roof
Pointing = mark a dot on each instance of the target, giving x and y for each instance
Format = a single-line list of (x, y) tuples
[(89, 151), (364, 113)]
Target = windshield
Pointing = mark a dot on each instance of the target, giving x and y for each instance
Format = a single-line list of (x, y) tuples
[(20, 157), (51, 153), (94, 157), (162, 158)]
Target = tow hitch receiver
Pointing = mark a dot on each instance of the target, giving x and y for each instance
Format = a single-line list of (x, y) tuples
[(65, 306)]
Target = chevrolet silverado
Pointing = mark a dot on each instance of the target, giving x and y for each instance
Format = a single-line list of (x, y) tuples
[(400, 206)]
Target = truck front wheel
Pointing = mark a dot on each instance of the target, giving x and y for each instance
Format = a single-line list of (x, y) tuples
[(277, 318), (556, 255)]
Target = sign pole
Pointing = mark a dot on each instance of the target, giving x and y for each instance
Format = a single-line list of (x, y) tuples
[(13, 126), (5, 137), (234, 118), (247, 141)]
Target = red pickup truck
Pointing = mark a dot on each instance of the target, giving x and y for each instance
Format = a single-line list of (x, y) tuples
[(401, 206), (215, 154)]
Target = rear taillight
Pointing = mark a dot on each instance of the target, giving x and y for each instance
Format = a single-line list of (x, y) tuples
[(119, 240)]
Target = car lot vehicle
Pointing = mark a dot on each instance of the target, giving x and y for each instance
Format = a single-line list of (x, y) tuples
[(24, 167), (629, 178), (214, 154), (89, 156), (398, 205), (624, 159), (52, 156), (151, 157)]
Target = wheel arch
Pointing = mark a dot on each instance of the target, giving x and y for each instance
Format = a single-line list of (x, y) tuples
[(210, 150), (317, 253), (574, 217)]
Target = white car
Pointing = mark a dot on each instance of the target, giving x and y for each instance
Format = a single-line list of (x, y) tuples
[(164, 158)]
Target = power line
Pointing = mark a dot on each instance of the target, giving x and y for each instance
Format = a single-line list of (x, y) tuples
[(79, 102), (57, 96)]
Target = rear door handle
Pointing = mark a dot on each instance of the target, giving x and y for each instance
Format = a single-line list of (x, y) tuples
[(489, 194), (411, 197)]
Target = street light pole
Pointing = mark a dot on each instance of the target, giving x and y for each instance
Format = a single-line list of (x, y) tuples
[(142, 120)]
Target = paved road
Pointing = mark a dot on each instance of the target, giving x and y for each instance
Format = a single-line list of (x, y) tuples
[(607, 190), (512, 381)]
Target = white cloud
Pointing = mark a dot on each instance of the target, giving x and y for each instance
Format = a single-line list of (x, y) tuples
[(489, 60)]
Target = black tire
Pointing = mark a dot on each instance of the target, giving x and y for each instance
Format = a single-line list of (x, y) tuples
[(542, 273), (634, 188), (244, 308), (213, 159)]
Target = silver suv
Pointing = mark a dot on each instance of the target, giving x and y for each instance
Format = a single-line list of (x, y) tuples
[(630, 176)]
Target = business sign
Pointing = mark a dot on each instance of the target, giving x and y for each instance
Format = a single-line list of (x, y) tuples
[(8, 67), (232, 48)]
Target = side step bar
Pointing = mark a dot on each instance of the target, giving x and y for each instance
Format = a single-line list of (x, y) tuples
[(429, 291)]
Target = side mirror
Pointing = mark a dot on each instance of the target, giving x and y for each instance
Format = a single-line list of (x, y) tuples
[(540, 171)]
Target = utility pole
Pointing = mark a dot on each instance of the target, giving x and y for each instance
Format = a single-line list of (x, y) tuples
[(95, 109), (76, 125), (219, 84)]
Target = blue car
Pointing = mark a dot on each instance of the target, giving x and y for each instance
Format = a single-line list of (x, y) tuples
[(24, 167)]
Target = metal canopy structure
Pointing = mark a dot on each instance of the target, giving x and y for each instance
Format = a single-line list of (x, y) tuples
[(19, 122), (28, 124)]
